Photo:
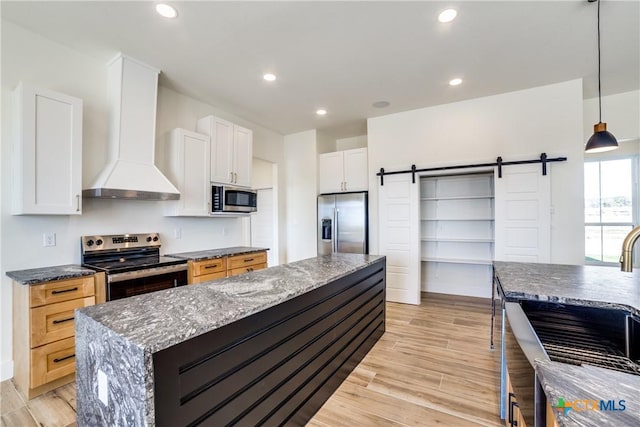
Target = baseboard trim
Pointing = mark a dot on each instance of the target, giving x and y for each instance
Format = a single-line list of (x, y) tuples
[(6, 370), (455, 298)]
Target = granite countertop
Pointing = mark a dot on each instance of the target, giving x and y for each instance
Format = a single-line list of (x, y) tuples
[(216, 253), (571, 383), (35, 276), (161, 319), (595, 286)]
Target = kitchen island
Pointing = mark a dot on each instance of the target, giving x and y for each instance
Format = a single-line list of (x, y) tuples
[(266, 347), (585, 286)]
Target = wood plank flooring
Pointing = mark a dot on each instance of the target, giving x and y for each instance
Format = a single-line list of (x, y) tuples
[(432, 367)]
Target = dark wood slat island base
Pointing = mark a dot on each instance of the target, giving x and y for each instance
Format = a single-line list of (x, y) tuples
[(266, 348), (274, 367)]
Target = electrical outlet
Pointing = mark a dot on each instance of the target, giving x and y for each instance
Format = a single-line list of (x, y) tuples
[(177, 233), (103, 387), (49, 239)]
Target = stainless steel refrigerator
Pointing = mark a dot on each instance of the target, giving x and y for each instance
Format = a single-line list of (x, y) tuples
[(343, 223)]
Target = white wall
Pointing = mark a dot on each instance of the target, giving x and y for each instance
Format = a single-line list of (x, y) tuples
[(29, 57), (302, 184), (621, 113), (351, 143), (517, 126), (261, 174), (325, 143)]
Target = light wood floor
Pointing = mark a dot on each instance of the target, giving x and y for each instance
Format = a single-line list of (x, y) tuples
[(432, 367)]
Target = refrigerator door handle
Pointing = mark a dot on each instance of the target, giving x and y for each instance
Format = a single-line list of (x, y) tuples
[(335, 229)]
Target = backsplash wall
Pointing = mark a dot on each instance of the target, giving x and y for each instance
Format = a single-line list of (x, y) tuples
[(44, 63)]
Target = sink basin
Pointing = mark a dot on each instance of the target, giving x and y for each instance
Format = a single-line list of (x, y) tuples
[(604, 337)]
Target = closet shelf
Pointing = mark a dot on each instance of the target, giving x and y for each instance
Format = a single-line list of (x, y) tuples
[(459, 260), (457, 240), (455, 198), (457, 219)]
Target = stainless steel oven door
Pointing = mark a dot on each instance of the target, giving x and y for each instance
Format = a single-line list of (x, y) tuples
[(522, 347), (123, 285)]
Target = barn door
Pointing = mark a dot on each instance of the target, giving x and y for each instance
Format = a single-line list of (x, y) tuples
[(399, 232), (523, 214)]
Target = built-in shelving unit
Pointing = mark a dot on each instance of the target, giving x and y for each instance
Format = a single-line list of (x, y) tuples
[(457, 233)]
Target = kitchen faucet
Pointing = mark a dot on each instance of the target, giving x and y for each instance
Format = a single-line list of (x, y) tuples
[(626, 259)]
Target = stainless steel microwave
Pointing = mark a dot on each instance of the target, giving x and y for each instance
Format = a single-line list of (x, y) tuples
[(233, 199)]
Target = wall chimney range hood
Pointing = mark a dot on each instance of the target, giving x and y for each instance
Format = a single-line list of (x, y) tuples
[(131, 172)]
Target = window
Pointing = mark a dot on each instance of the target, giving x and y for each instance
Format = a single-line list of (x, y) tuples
[(609, 198)]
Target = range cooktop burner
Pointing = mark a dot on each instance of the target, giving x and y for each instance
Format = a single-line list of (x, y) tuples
[(120, 266), (124, 252)]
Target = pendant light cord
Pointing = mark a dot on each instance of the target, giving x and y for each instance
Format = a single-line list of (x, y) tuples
[(599, 84)]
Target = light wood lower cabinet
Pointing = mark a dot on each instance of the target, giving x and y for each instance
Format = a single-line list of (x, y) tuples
[(551, 417), (247, 260), (43, 332), (242, 270), (514, 417), (217, 268), (210, 269)]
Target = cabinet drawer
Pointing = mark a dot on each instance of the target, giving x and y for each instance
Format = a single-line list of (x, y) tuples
[(55, 321), (61, 290), (209, 266), (52, 361), (247, 269), (246, 260), (211, 276)]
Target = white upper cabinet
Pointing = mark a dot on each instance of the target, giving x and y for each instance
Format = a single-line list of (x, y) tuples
[(330, 167), (355, 170), (231, 151), (242, 155), (188, 169), (343, 171), (47, 152)]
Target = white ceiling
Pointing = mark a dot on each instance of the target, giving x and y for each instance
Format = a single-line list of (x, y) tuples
[(344, 56)]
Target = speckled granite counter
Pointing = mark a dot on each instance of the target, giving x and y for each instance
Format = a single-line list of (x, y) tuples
[(605, 287), (121, 337), (571, 284), (216, 253), (36, 276), (579, 383)]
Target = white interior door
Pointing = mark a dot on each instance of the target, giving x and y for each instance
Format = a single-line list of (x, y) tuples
[(262, 226), (523, 214), (399, 234)]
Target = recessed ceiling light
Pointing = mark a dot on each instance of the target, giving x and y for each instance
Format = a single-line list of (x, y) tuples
[(166, 10), (269, 77), (321, 112), (455, 82), (380, 104), (447, 15)]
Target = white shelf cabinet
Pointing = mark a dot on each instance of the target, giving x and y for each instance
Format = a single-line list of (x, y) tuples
[(47, 152), (188, 170), (457, 233), (231, 153), (343, 171)]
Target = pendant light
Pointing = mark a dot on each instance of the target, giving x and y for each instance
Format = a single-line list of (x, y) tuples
[(601, 140)]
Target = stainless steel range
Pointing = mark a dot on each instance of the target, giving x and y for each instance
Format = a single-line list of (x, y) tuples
[(132, 263)]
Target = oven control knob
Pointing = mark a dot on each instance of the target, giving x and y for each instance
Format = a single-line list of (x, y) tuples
[(149, 239), (89, 242), (155, 238), (99, 242)]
